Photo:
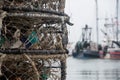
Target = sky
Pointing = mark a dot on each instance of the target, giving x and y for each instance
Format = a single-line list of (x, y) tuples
[(83, 12)]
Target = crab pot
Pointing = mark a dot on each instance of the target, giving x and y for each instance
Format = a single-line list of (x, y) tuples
[(46, 67), (52, 5), (33, 40), (33, 31), (34, 47)]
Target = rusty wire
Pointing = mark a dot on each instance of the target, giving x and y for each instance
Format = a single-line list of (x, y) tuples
[(39, 26)]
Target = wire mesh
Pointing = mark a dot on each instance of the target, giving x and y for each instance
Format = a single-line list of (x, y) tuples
[(20, 33), (19, 67), (54, 5), (33, 39)]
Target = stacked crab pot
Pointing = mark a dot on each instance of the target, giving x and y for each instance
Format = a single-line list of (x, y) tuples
[(37, 28)]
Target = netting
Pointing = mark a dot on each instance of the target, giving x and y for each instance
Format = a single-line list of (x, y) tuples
[(54, 5), (33, 39), (32, 67), (19, 33)]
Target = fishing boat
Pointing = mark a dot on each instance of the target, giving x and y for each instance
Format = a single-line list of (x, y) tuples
[(86, 48), (111, 48), (112, 36), (114, 51)]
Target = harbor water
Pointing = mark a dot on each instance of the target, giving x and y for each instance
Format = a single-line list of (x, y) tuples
[(92, 69)]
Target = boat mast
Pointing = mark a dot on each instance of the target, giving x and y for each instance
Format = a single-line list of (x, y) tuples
[(97, 31), (117, 2)]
